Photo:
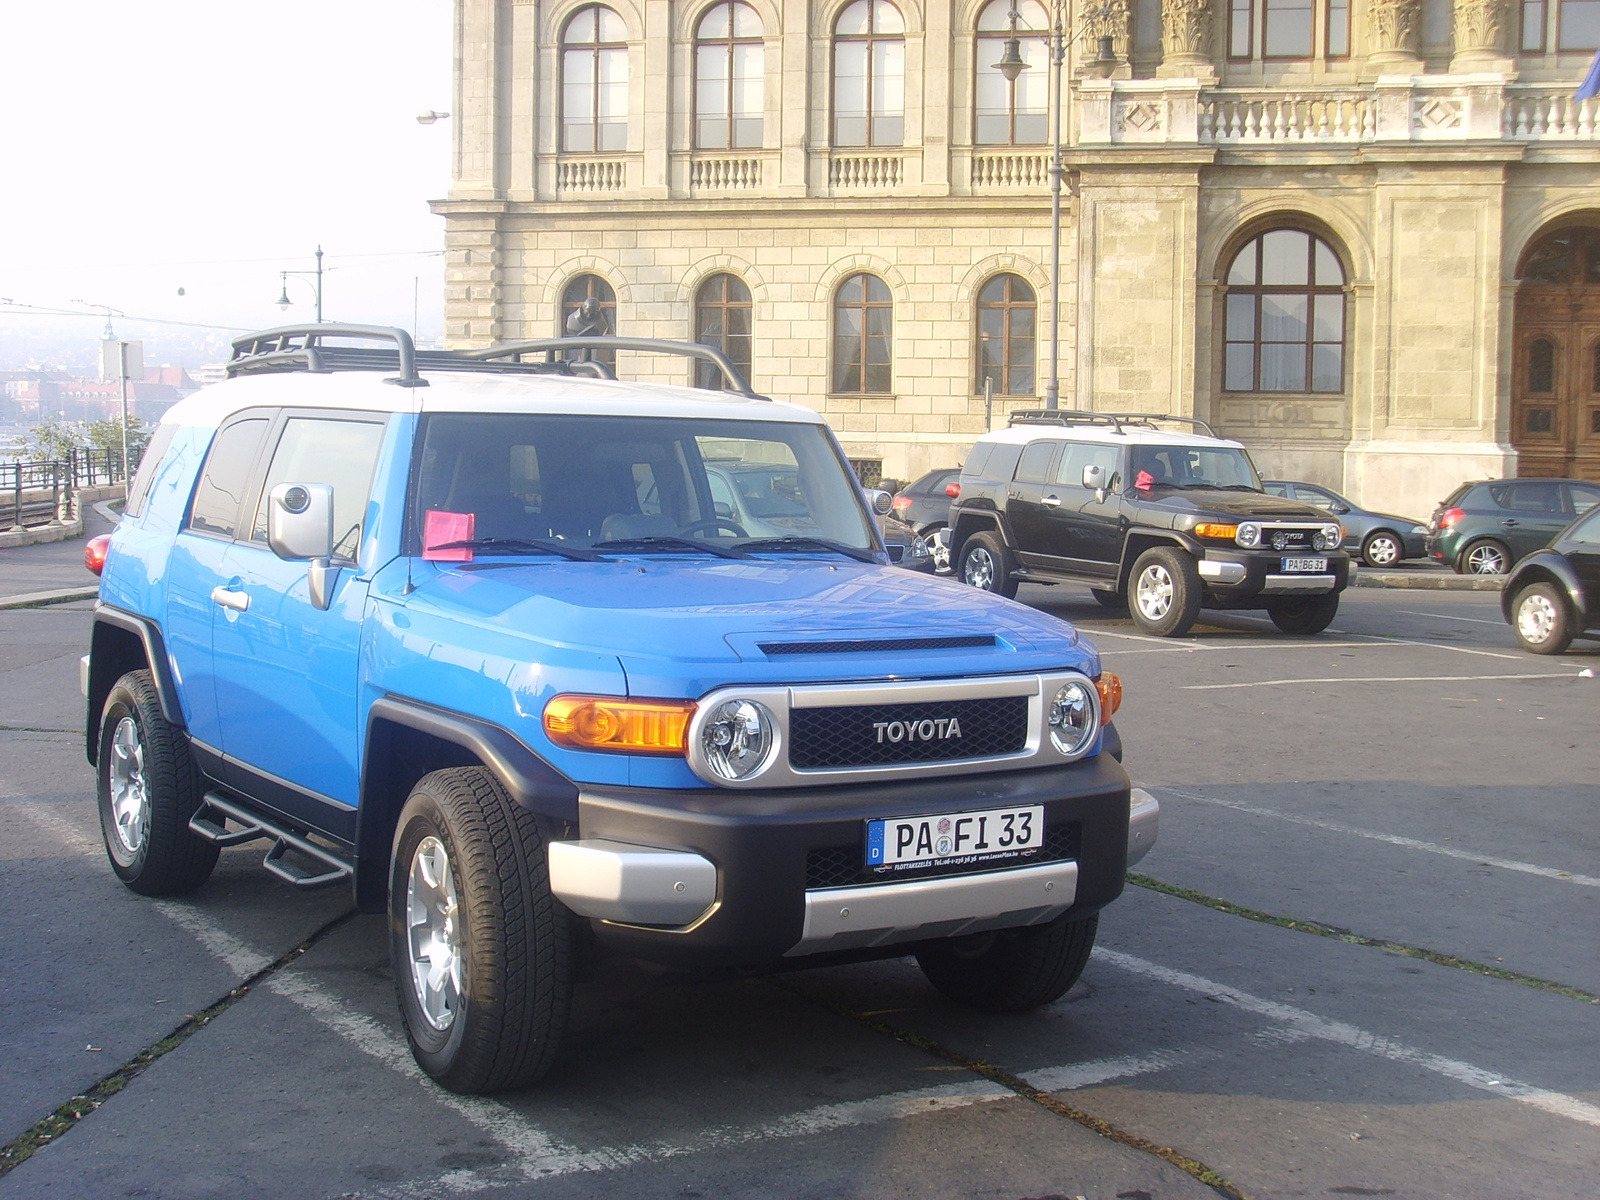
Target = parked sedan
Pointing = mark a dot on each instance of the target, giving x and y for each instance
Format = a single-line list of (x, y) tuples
[(924, 506), (1487, 526), (1554, 594), (1381, 539)]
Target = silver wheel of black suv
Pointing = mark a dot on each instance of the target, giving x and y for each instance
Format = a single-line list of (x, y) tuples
[(987, 564), (479, 945), (1011, 970), (148, 789)]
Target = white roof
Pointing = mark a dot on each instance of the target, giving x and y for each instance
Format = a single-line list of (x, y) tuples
[(463, 391), (1129, 435)]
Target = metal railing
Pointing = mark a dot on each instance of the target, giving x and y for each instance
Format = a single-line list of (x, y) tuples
[(39, 493)]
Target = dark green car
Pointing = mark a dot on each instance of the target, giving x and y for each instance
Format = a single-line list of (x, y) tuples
[(1485, 527)]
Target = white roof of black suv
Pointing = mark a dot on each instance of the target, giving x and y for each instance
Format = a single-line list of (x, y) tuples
[(1112, 429)]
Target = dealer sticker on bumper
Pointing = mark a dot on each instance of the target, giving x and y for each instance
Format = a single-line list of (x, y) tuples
[(967, 837)]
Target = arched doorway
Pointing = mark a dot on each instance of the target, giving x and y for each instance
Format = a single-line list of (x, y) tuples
[(1555, 389)]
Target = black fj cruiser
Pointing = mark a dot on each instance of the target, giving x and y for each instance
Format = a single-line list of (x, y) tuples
[(1156, 510)]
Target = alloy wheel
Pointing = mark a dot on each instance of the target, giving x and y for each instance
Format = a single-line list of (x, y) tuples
[(1153, 592), (1486, 560), (1382, 551), (130, 792), (433, 925), (979, 570)]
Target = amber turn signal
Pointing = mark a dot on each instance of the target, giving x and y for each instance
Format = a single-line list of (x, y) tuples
[(94, 552), (1203, 529), (1110, 689), (617, 724)]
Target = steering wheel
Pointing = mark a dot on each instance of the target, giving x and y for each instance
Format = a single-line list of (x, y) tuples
[(715, 523)]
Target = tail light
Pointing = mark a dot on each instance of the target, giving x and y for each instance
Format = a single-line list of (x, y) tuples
[(1450, 516), (94, 552), (901, 503), (952, 490)]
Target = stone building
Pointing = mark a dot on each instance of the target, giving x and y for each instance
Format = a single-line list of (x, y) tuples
[(1362, 236)]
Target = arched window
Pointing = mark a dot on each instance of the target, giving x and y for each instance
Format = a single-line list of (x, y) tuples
[(594, 81), (722, 319), (728, 67), (1542, 367), (583, 288), (1285, 316), (1007, 112), (1006, 312), (863, 324), (869, 75)]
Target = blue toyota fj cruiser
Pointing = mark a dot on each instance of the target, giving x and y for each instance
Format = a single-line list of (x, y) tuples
[(526, 655)]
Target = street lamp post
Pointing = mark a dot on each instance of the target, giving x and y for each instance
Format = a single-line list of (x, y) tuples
[(283, 295), (1011, 65), (122, 360)]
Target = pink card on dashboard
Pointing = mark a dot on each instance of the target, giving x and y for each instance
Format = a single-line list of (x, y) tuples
[(440, 528)]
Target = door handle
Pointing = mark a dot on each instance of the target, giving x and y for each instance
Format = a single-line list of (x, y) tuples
[(1509, 523), (238, 601), (1051, 502)]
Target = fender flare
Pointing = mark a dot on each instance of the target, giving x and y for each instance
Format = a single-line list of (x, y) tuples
[(1543, 565), (1144, 537)]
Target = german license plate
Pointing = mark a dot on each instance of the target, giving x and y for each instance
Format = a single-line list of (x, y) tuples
[(954, 837), (1313, 566)]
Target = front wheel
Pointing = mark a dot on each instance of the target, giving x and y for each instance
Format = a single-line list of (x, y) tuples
[(987, 564), (148, 789), (1542, 619), (479, 944), (1011, 970), (1304, 614), (1165, 592), (1382, 549)]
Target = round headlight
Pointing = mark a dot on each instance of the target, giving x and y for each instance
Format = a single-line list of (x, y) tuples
[(1073, 717), (1334, 534), (737, 738), (1249, 534)]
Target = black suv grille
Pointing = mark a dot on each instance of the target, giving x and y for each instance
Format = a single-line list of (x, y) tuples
[(873, 734), (844, 866), (1293, 539)]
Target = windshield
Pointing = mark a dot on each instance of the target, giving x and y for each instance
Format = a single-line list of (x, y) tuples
[(1183, 467), (582, 481)]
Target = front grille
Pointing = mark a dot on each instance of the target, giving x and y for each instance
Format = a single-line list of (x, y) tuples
[(1293, 539), (845, 866), (877, 734), (876, 645)]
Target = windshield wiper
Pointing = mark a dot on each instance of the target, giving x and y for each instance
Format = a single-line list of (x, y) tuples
[(808, 543), (666, 543), (497, 545)]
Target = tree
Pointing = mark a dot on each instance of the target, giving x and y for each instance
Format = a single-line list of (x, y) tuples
[(48, 442), (107, 435)]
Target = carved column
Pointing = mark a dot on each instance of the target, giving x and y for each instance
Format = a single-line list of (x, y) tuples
[(1481, 30), (1186, 40), (1394, 34)]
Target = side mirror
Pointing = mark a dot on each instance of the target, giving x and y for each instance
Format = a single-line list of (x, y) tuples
[(300, 525), (881, 501), (1094, 476), (892, 486), (1339, 510)]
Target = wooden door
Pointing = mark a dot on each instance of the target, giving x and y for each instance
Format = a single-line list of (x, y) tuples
[(1555, 393)]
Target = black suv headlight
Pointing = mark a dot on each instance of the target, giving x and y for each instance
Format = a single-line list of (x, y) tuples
[(1249, 535), (1329, 537)]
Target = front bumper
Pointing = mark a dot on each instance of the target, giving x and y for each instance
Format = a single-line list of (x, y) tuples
[(1234, 576), (760, 844)]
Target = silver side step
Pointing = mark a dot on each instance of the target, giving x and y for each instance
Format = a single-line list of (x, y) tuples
[(210, 821)]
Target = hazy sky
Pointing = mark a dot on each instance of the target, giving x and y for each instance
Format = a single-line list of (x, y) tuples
[(207, 145)]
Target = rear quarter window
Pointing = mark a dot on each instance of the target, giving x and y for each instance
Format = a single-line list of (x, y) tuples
[(976, 460), (149, 468)]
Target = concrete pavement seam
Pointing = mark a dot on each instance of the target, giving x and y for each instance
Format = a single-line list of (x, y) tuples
[(57, 596), (66, 1116)]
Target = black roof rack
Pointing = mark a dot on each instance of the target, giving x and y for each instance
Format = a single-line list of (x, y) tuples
[(1113, 421), (304, 348)]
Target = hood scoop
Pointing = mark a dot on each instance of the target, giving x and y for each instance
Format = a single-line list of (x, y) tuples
[(876, 645)]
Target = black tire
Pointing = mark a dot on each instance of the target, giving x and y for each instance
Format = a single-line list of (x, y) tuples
[(1011, 970), (1164, 592), (1486, 556), (1116, 601), (148, 789), (987, 564), (1382, 548), (1304, 614), (503, 998), (1542, 618)]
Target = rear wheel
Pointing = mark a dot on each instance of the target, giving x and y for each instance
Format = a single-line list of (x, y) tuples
[(1011, 970), (148, 789), (480, 946), (1304, 614), (1164, 592), (1542, 619), (987, 564), (1382, 549), (1486, 557)]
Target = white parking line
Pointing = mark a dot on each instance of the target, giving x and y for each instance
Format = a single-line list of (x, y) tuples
[(1451, 617), (1223, 687), (1490, 860), (1342, 1034)]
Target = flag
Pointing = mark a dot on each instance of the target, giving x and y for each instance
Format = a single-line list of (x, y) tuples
[(1591, 82)]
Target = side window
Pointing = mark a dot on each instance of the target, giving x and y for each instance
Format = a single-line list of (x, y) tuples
[(1035, 464), (978, 458), (1583, 499), (1277, 489), (721, 496), (1079, 455), (1534, 497), (341, 453), (1316, 496), (1588, 533), (1002, 462), (226, 474), (149, 467)]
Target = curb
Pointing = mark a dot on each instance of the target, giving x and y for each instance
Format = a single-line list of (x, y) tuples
[(1439, 582), (40, 534), (40, 599)]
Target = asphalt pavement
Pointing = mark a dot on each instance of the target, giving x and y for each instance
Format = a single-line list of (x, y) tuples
[(1360, 961)]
